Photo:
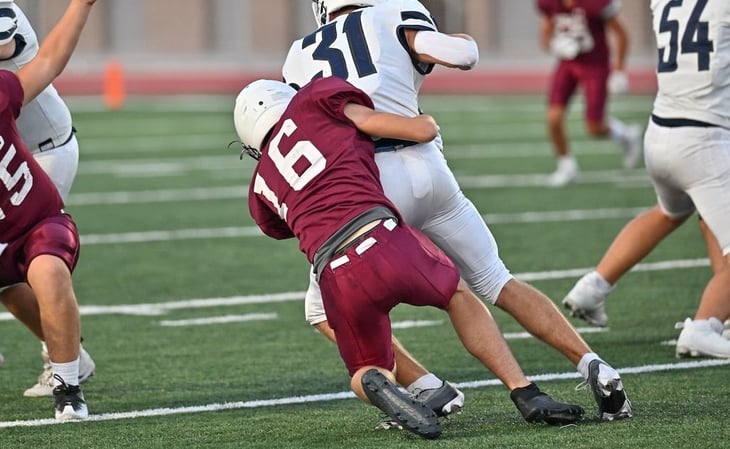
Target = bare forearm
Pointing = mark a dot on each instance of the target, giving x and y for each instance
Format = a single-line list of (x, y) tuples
[(418, 129), (56, 49), (422, 128), (621, 40)]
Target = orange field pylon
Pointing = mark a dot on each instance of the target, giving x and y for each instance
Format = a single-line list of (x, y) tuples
[(114, 89)]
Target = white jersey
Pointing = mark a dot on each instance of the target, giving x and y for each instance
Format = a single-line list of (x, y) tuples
[(367, 48), (45, 122), (693, 38)]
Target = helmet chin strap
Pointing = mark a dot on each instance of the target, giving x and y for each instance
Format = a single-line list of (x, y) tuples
[(246, 149)]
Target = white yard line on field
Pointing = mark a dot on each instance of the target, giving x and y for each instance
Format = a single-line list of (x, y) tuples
[(219, 320), (634, 178), (154, 309), (346, 395), (252, 231)]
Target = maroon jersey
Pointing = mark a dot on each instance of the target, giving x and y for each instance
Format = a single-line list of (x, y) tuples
[(317, 172), (27, 195), (585, 19)]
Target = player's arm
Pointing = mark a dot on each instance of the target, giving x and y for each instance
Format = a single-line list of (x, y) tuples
[(270, 223), (546, 32), (55, 51), (422, 128), (621, 40), (450, 50)]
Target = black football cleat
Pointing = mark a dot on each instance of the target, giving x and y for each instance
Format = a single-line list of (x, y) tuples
[(402, 408), (538, 407)]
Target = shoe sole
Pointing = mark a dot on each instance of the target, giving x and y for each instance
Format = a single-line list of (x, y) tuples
[(412, 415), (685, 352), (68, 417), (553, 419)]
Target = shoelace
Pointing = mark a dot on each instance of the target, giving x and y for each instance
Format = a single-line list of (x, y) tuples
[(60, 379), (386, 423)]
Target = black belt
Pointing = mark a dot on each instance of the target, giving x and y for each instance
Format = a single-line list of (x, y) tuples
[(680, 122), (386, 145), (48, 143)]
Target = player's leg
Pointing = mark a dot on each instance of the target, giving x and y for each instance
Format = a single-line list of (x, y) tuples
[(358, 296), (586, 300), (595, 82), (20, 301), (562, 87), (458, 229), (50, 278), (435, 282), (695, 160), (51, 250), (714, 252), (440, 395), (481, 336)]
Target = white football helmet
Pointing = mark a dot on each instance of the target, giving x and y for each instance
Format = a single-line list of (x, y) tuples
[(8, 22), (323, 8), (258, 108)]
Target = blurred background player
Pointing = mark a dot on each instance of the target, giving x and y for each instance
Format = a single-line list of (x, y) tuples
[(386, 48), (316, 180), (688, 158), (40, 242), (576, 32), (45, 126)]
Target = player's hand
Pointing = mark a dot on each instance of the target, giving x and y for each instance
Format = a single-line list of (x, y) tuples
[(87, 2), (618, 82), (564, 47)]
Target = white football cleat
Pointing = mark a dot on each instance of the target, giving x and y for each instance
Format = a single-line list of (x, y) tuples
[(586, 300), (44, 385), (70, 403), (566, 172), (703, 338)]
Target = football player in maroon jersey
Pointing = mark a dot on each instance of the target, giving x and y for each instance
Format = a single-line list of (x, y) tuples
[(39, 243), (316, 179), (575, 32)]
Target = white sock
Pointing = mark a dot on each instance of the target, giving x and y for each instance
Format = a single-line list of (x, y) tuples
[(584, 361), (616, 130), (44, 348), (68, 371), (425, 382), (566, 161)]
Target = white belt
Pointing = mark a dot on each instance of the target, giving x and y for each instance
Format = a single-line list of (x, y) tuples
[(363, 246)]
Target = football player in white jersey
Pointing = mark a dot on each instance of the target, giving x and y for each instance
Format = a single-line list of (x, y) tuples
[(45, 126), (386, 48), (687, 156)]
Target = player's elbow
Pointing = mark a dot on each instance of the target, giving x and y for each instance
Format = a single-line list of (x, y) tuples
[(450, 50)]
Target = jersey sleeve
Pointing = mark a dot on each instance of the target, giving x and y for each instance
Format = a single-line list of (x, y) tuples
[(544, 7), (269, 222), (610, 9), (11, 92), (415, 16)]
